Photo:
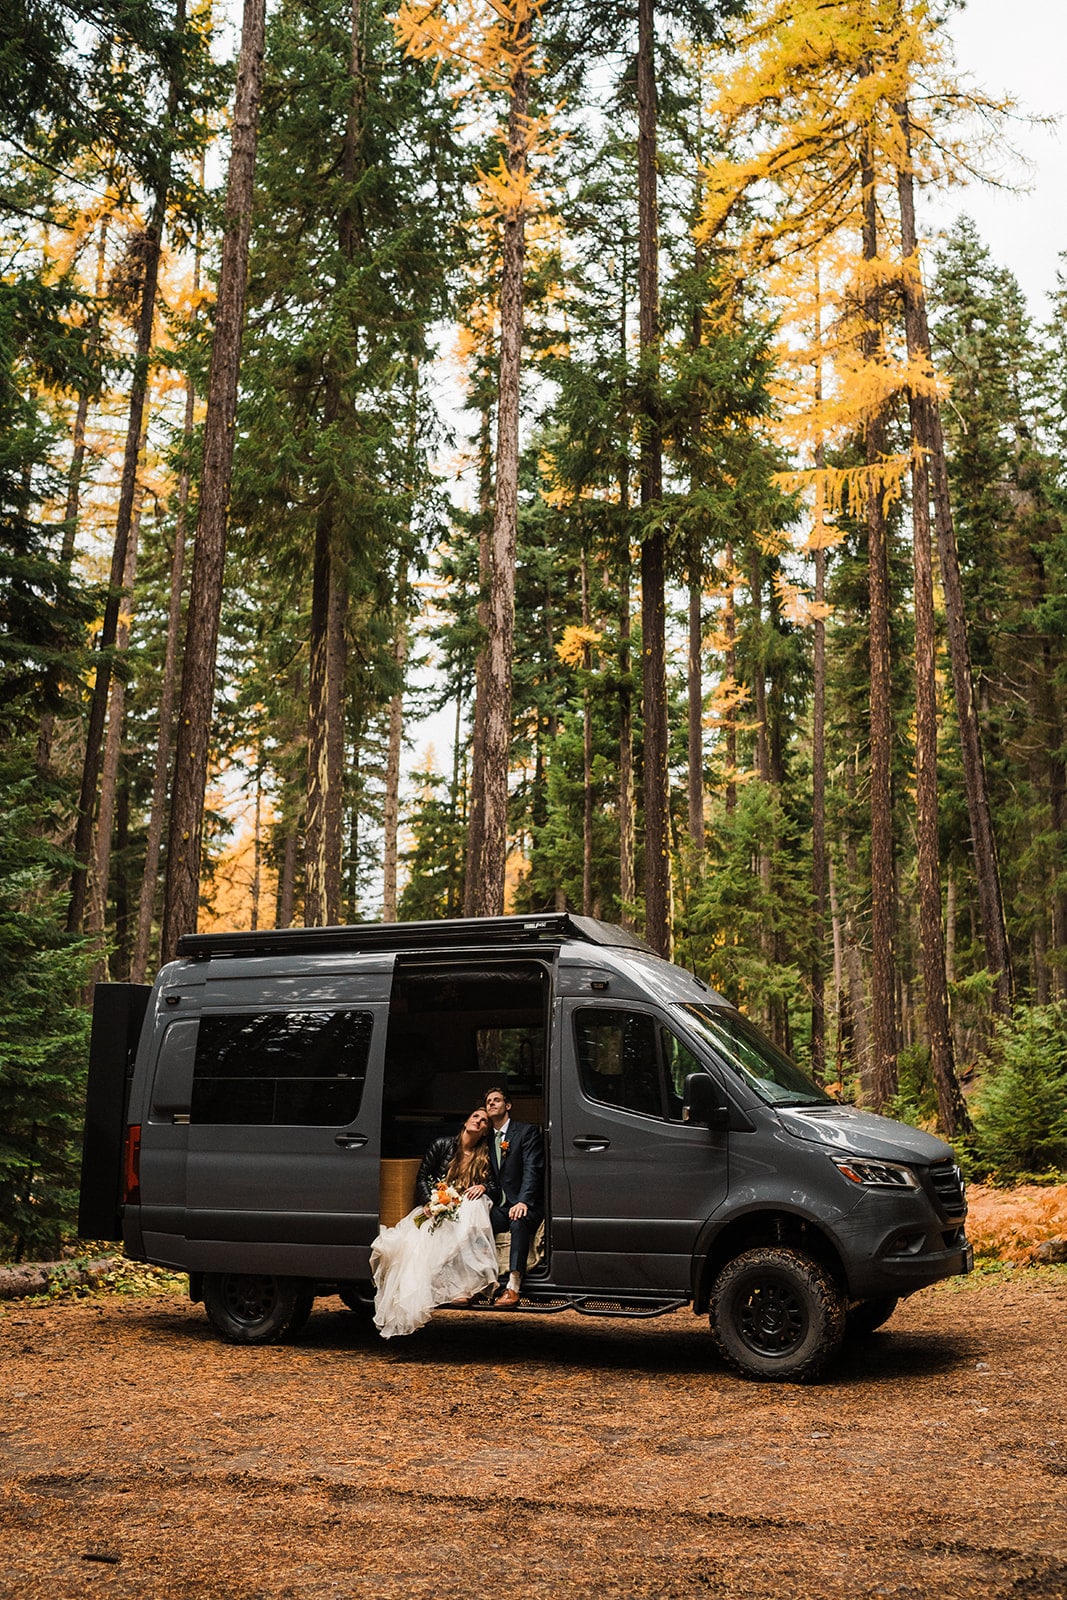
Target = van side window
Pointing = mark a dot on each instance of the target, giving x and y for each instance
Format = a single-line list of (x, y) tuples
[(679, 1062), (296, 1068), (617, 1059)]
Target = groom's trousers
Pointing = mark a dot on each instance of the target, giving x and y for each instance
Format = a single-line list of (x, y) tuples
[(522, 1230)]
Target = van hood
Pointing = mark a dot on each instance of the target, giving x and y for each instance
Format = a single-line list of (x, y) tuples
[(861, 1133)]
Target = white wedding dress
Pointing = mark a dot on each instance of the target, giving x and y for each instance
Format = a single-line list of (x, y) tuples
[(417, 1269)]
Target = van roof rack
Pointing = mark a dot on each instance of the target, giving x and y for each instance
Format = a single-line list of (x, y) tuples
[(550, 927)]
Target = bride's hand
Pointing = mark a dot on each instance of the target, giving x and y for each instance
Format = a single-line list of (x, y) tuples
[(476, 1191)]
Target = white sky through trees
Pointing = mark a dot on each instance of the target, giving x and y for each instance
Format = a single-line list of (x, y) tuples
[(1017, 47)]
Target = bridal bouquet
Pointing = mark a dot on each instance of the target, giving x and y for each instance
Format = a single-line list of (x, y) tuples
[(444, 1204)]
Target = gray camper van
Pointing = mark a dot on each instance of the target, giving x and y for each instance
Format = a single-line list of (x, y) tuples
[(249, 1113)]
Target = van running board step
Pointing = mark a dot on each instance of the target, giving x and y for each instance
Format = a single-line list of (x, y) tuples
[(600, 1305)]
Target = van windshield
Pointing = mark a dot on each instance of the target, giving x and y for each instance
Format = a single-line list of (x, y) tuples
[(766, 1070)]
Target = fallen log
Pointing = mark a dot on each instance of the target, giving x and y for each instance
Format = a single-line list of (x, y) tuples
[(36, 1277)]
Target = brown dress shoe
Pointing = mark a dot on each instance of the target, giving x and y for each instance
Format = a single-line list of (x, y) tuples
[(506, 1300)]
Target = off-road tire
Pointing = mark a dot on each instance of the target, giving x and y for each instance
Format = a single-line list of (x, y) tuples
[(361, 1303), (254, 1308), (776, 1314), (867, 1315)]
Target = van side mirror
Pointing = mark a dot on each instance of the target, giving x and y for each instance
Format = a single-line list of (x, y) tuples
[(704, 1102)]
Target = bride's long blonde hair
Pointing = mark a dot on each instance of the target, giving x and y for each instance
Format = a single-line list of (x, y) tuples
[(469, 1167)]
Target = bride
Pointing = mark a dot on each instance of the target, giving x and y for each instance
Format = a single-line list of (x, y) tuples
[(432, 1259)]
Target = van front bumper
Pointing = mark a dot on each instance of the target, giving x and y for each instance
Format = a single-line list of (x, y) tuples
[(895, 1244)]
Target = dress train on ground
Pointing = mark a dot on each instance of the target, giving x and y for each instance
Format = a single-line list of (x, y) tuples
[(417, 1269)]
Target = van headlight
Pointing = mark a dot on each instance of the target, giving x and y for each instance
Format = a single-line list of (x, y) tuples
[(875, 1174)]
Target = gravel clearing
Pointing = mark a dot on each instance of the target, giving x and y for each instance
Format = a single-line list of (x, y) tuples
[(549, 1455)]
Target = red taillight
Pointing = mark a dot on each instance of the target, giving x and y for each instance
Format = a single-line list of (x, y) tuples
[(131, 1166)]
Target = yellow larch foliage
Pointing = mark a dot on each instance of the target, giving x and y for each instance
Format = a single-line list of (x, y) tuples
[(574, 643)]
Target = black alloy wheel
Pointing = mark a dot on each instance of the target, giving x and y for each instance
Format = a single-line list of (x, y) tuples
[(256, 1308), (773, 1319), (776, 1314)]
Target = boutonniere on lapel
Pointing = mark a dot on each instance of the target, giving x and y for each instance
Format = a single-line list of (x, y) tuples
[(504, 1148)]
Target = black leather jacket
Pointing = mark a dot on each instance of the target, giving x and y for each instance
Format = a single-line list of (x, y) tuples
[(435, 1164)]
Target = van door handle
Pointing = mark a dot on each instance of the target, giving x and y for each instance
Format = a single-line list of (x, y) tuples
[(592, 1141), (350, 1141)]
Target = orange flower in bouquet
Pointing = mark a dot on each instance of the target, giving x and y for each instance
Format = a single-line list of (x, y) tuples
[(443, 1205)]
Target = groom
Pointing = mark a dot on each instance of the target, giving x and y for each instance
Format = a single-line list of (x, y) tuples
[(518, 1161)]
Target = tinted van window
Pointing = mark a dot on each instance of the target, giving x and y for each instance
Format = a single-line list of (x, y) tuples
[(297, 1067), (617, 1059)]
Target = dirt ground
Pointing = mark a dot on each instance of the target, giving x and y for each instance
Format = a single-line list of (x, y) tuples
[(552, 1455)]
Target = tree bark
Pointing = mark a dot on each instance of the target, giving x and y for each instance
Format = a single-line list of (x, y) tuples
[(94, 737), (696, 724), (587, 751), (818, 738), (730, 666), (390, 849), (627, 864), (287, 880), (883, 1010), (857, 997), (205, 599), (655, 775), (169, 685), (476, 809), (818, 826), (328, 652), (324, 827), (931, 440), (488, 889), (951, 1110), (73, 500), (100, 872), (627, 879)]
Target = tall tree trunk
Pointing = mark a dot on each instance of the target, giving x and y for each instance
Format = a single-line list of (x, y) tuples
[(168, 688), (324, 828), (838, 948), (488, 897), (627, 879), (930, 438), (952, 1113), (655, 775), (818, 826), (883, 1009), (205, 598), (94, 738), (287, 879), (627, 864), (328, 652), (476, 808), (73, 499), (818, 734), (390, 849), (695, 708), (587, 751), (759, 679), (857, 997), (100, 871), (257, 844), (730, 666)]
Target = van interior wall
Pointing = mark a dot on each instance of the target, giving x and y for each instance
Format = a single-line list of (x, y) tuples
[(456, 1029)]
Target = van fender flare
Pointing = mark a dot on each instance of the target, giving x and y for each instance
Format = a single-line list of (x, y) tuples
[(761, 1224)]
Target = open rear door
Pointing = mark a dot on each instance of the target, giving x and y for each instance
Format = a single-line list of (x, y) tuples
[(118, 1014)]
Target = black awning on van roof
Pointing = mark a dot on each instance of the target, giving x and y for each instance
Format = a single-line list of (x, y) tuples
[(550, 927)]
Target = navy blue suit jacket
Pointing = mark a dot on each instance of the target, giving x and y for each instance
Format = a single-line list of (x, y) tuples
[(521, 1173)]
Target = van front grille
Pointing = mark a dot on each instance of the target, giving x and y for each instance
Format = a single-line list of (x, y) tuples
[(947, 1181)]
